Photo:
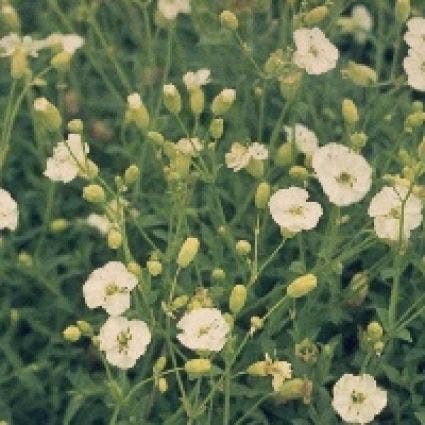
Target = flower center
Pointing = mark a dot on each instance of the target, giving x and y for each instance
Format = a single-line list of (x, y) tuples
[(357, 398), (313, 51), (112, 288), (123, 340), (296, 210), (395, 213), (345, 179)]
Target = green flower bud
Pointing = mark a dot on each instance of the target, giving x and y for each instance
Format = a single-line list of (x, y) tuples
[(358, 141), (359, 74), (255, 167), (260, 368), (94, 193), (72, 333), (290, 84), (85, 328), (374, 331), (47, 114), (378, 347), (61, 61), (198, 366), (25, 259), (229, 20), (197, 100), (223, 101), (243, 247), (349, 112), (307, 351), (316, 15), (75, 126), (19, 64), (296, 388), (9, 19), (179, 302), (357, 289), (262, 195), (402, 10), (285, 154), (218, 274), (59, 225), (421, 149), (114, 238), (188, 252), (156, 138), (160, 364), (216, 128), (131, 174), (134, 268), (302, 286), (237, 298), (172, 99), (256, 323), (299, 173), (154, 267), (162, 385)]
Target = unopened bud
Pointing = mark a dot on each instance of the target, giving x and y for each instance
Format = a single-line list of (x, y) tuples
[(85, 328), (179, 302), (285, 154), (9, 19), (172, 99), (131, 174), (258, 368), (223, 101), (72, 333), (256, 322), (188, 252), (359, 74), (237, 298), (290, 84), (316, 15), (402, 10), (262, 195), (197, 100), (19, 64), (357, 289), (156, 138), (216, 128), (162, 385), (299, 173), (47, 114), (374, 331), (243, 247), (349, 112), (154, 267), (114, 238), (58, 225), (25, 259), (61, 61), (229, 20), (160, 364), (296, 388), (255, 167), (94, 193), (218, 274), (302, 286), (75, 126), (134, 268), (358, 140), (198, 366)]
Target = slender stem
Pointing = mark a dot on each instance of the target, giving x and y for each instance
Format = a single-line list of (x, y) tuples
[(253, 408)]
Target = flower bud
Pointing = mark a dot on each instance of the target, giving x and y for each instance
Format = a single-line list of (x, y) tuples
[(172, 99), (162, 385), (256, 323), (216, 128), (19, 64), (156, 138), (307, 351), (197, 100), (296, 388), (61, 61), (85, 328), (75, 126), (359, 74), (47, 114), (378, 347), (357, 289), (258, 368), (414, 120), (229, 20), (179, 302), (302, 286), (237, 298), (160, 364), (131, 174), (262, 195), (421, 150), (402, 10), (114, 238), (154, 267), (299, 173), (136, 112), (374, 331), (349, 112), (9, 19), (218, 274), (58, 225), (72, 333), (229, 319), (198, 366), (358, 140), (255, 167), (290, 84), (25, 259), (134, 268), (285, 154), (243, 247), (188, 252), (316, 15), (94, 193), (417, 106), (223, 101)]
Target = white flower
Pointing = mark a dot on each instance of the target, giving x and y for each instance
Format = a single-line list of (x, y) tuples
[(280, 371), (258, 151), (415, 34), (357, 399), (305, 140), (359, 23), (189, 146), (9, 44), (414, 65), (8, 211), (69, 43), (291, 211), (238, 157), (171, 8), (109, 287), (99, 222), (315, 53), (134, 101), (196, 79), (124, 341), (386, 210), (68, 159), (345, 176), (203, 329)]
